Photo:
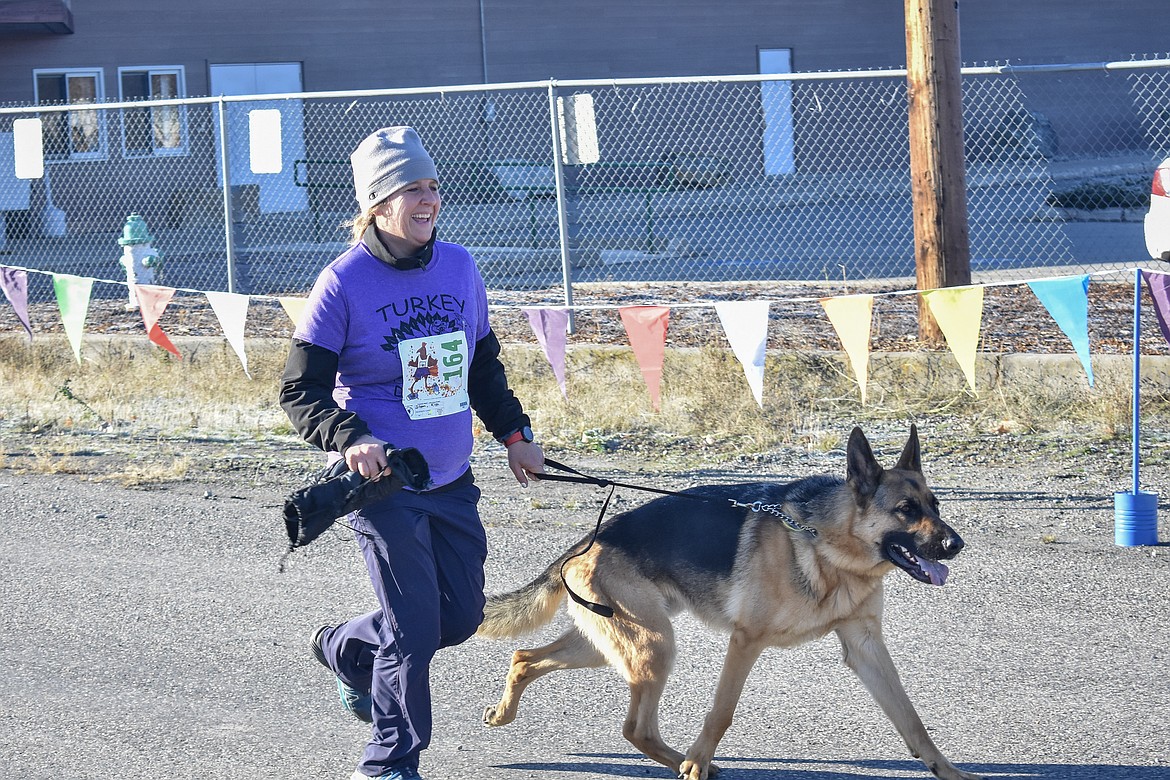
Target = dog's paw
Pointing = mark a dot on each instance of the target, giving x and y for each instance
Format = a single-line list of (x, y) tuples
[(693, 770), (493, 717), (951, 772)]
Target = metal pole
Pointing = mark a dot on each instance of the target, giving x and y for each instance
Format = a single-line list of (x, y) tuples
[(562, 214), (1137, 370), (483, 42), (227, 197)]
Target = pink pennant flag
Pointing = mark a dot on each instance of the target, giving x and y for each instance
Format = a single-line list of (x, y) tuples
[(646, 329), (1159, 285), (153, 301), (15, 284), (551, 327)]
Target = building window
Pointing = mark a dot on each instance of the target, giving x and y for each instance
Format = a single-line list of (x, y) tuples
[(71, 135), (155, 130)]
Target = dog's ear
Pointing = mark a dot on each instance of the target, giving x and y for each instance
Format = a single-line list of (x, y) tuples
[(911, 459), (862, 470)]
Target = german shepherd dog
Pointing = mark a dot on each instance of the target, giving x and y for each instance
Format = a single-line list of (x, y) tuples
[(800, 560)]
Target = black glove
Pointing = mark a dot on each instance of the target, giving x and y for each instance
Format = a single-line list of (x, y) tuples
[(336, 491)]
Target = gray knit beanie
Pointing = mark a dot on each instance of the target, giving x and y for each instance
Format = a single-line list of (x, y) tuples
[(386, 161)]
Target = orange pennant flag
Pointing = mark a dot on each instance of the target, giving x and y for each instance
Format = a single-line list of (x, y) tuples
[(152, 301), (646, 329)]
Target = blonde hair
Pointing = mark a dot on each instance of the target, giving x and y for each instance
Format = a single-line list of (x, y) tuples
[(360, 224)]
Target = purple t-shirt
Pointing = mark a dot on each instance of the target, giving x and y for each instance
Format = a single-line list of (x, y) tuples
[(405, 341)]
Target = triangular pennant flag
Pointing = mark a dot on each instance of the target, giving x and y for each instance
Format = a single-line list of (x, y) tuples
[(1159, 285), (73, 300), (231, 309), (294, 308), (852, 318), (153, 301), (746, 326), (1067, 300), (959, 314), (646, 329), (15, 284), (551, 327)]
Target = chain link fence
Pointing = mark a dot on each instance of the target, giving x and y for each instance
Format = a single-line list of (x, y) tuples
[(742, 178)]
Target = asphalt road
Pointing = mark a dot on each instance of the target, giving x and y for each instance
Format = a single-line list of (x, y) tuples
[(147, 633)]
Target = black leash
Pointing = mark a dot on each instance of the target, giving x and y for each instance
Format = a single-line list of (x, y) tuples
[(588, 480), (585, 479)]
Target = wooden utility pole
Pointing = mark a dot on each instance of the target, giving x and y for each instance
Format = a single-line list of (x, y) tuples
[(942, 253)]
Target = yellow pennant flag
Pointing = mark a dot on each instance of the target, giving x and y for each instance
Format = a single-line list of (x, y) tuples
[(959, 314), (294, 308), (852, 317)]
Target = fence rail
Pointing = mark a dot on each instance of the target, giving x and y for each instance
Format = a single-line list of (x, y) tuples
[(800, 176)]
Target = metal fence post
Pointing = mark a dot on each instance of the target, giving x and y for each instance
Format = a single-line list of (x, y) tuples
[(562, 211), (224, 157)]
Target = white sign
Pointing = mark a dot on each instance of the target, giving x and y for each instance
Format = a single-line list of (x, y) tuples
[(264, 145), (578, 126), (28, 149)]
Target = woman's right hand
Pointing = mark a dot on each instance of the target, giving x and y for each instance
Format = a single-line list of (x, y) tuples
[(367, 456)]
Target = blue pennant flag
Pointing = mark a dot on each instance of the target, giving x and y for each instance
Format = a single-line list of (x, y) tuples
[(1067, 300)]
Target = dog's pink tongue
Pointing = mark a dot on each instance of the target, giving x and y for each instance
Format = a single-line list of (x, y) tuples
[(935, 571)]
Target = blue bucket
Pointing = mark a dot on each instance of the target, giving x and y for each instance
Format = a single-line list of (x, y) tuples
[(1135, 519)]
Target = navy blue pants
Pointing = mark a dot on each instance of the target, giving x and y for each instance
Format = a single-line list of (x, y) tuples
[(425, 553)]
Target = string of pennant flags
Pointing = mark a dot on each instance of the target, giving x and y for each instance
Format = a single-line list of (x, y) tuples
[(957, 310)]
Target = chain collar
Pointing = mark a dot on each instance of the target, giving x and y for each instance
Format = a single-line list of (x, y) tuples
[(774, 509)]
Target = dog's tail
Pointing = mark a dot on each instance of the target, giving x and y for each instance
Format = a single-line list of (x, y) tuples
[(524, 610)]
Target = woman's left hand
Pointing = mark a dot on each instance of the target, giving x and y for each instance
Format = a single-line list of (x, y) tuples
[(526, 459)]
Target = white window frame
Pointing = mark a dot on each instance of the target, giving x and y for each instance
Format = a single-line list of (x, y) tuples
[(98, 74), (181, 87)]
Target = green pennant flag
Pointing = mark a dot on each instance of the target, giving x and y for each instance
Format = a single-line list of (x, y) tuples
[(73, 301)]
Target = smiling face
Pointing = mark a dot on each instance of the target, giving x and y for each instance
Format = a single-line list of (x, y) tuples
[(406, 219)]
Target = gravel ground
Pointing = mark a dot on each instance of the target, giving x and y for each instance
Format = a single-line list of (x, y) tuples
[(148, 633)]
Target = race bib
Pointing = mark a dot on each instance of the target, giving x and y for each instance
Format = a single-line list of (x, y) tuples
[(434, 375)]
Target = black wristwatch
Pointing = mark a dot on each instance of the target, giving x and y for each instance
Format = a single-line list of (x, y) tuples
[(520, 434)]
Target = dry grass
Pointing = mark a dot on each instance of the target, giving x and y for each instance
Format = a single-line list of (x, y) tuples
[(136, 474), (706, 400), (135, 390), (122, 384)]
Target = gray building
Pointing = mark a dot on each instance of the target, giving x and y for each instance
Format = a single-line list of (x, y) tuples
[(671, 152), (57, 49)]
